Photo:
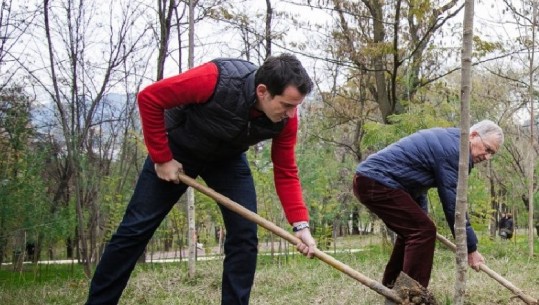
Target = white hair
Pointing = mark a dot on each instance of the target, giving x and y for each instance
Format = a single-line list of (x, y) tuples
[(488, 128)]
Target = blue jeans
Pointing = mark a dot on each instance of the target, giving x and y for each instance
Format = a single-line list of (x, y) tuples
[(152, 200)]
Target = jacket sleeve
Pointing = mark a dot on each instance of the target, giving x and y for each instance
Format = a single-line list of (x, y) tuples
[(423, 202), (446, 179), (285, 170)]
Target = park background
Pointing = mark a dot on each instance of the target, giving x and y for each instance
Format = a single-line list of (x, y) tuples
[(71, 145)]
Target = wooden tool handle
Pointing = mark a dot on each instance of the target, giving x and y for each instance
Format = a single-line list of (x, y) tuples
[(247, 214), (500, 279)]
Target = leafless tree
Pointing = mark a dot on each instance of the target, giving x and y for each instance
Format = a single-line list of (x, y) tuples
[(464, 155), (86, 57), (13, 24), (525, 16), (531, 93)]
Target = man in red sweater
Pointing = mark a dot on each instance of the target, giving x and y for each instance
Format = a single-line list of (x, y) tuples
[(202, 122)]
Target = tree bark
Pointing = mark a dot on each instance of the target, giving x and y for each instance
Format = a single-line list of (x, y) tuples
[(464, 156), (191, 215), (531, 167)]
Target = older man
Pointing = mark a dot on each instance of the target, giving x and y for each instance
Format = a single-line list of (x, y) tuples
[(393, 184)]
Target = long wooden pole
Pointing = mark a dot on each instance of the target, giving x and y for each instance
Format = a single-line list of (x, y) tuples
[(493, 274), (268, 225)]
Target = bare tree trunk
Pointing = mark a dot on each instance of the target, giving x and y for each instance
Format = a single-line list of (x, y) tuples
[(269, 15), (192, 233), (191, 216), (165, 18), (221, 239), (69, 138), (531, 166), (382, 96), (19, 250), (464, 156), (494, 203)]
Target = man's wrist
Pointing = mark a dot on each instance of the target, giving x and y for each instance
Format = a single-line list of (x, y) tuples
[(300, 226)]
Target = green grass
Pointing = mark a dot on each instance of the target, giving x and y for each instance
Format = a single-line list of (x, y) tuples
[(39, 274), (288, 279)]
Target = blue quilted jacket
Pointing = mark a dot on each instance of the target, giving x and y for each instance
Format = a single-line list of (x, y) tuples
[(426, 159)]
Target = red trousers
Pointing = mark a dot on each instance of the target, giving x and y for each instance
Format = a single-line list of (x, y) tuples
[(414, 248)]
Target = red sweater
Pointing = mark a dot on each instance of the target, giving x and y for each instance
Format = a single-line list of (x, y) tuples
[(196, 86)]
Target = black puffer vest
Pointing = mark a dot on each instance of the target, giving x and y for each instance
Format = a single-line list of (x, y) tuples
[(221, 127)]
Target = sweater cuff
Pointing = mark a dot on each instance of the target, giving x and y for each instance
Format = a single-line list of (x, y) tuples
[(161, 156), (297, 215), (472, 248)]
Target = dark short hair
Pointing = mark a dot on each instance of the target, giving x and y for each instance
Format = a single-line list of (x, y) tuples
[(279, 72)]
